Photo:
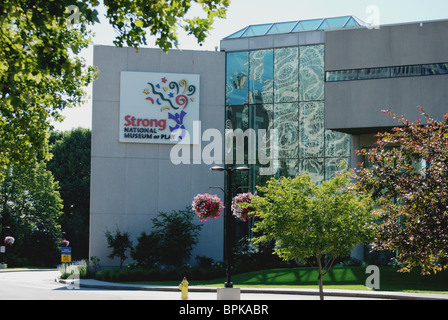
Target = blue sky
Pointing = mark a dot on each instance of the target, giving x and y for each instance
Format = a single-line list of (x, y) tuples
[(242, 13)]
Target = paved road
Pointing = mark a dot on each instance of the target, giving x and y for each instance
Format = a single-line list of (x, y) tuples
[(41, 285)]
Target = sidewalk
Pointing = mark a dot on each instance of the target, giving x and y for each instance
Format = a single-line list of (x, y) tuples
[(90, 283)]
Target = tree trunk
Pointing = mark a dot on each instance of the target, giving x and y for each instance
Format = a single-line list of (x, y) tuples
[(321, 289)]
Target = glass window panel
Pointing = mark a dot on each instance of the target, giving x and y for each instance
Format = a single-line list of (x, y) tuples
[(342, 75), (237, 117), (261, 76), (333, 165), (406, 71), (288, 168), (314, 166), (257, 30), (337, 22), (337, 144), (435, 69), (286, 121), (236, 34), (352, 23), (282, 27), (374, 73), (237, 72), (311, 129), (311, 73), (307, 25), (262, 117), (286, 74)]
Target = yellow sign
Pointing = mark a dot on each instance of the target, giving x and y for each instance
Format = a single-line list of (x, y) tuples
[(66, 258)]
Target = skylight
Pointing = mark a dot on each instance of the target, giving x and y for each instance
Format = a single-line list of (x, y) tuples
[(297, 26)]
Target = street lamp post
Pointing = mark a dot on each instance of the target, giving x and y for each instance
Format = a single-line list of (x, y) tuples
[(228, 231)]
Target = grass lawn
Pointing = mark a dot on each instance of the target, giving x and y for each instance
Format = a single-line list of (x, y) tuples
[(350, 278)]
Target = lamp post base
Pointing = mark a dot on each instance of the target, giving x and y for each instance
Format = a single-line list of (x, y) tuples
[(228, 285), (229, 293)]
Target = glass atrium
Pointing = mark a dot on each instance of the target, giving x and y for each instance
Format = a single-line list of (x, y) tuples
[(297, 26), (283, 89)]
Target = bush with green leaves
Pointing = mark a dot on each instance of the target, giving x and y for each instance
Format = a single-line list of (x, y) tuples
[(119, 242), (171, 240)]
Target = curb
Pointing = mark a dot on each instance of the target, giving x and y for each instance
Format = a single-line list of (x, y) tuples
[(87, 283)]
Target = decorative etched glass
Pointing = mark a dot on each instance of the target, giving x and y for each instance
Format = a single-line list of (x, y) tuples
[(311, 129), (286, 70), (314, 166), (337, 144), (283, 89), (334, 165), (311, 73), (286, 121)]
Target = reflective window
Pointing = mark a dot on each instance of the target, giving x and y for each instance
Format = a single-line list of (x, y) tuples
[(435, 69), (342, 75), (283, 89), (374, 73), (387, 72), (237, 72), (406, 71), (261, 76)]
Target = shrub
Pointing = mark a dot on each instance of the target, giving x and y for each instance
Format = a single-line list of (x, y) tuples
[(119, 242), (148, 251), (176, 235)]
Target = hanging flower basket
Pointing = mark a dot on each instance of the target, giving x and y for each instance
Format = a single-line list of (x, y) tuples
[(207, 206), (243, 213), (9, 240)]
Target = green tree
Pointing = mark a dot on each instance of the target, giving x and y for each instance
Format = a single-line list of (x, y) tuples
[(119, 242), (31, 205), (407, 179), (147, 252), (177, 234), (70, 165), (41, 72), (307, 220)]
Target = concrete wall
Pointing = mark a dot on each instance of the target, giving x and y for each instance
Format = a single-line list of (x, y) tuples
[(355, 106), (131, 183), (273, 41)]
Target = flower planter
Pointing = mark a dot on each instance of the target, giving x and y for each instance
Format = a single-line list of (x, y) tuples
[(243, 213), (207, 206), (9, 240)]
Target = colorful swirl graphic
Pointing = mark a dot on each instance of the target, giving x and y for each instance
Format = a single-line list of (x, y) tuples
[(182, 100)]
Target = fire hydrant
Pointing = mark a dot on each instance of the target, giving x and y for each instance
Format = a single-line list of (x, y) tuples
[(183, 286)]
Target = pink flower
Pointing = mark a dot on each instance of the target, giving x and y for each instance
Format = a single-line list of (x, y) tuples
[(207, 206)]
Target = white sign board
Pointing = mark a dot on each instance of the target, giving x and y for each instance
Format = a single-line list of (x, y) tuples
[(158, 107)]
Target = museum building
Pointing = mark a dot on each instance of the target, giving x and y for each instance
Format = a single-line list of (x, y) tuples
[(159, 120)]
